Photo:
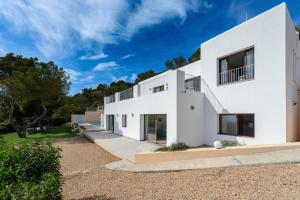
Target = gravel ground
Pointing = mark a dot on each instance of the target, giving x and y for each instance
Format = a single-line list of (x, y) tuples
[(83, 167)]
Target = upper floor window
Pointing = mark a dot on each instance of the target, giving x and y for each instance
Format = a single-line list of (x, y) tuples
[(158, 88), (236, 67)]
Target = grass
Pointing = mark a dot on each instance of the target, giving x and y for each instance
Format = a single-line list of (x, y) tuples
[(54, 133)]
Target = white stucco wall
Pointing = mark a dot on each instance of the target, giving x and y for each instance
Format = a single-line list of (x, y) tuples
[(292, 78), (270, 96), (265, 95)]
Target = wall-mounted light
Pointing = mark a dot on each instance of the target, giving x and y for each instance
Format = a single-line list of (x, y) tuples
[(192, 107), (132, 115)]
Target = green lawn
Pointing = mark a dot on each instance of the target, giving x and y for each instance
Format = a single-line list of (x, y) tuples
[(54, 133)]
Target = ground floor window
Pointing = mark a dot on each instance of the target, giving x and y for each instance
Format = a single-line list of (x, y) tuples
[(236, 124), (124, 120)]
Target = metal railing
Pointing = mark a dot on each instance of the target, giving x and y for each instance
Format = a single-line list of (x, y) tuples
[(193, 83), (236, 75), (111, 98), (126, 94), (91, 109)]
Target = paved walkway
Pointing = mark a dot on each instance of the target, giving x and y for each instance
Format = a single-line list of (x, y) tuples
[(285, 156), (120, 146)]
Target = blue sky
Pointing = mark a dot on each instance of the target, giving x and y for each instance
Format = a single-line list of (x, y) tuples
[(102, 41)]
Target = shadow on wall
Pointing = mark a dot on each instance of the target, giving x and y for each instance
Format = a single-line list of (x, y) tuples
[(213, 108), (211, 97)]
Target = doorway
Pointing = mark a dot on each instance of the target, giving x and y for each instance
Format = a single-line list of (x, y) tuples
[(155, 128), (110, 122)]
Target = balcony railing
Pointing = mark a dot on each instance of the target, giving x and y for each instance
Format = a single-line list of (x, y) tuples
[(236, 75), (111, 99), (126, 94), (193, 83)]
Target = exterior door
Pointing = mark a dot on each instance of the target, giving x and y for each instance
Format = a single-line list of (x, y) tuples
[(111, 122), (155, 128)]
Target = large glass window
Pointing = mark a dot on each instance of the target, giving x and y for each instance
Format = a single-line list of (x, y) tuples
[(237, 124)]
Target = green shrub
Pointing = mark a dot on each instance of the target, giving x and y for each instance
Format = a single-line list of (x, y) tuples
[(6, 127), (30, 171), (174, 147)]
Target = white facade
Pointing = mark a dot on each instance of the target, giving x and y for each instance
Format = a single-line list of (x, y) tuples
[(193, 116)]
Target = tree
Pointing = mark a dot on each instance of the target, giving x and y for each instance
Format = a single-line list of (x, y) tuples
[(145, 75), (196, 56), (170, 64), (179, 62), (28, 82)]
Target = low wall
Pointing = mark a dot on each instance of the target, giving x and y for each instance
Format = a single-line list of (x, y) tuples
[(157, 157)]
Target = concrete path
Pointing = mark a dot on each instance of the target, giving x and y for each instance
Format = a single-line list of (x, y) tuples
[(285, 156), (91, 127), (120, 146)]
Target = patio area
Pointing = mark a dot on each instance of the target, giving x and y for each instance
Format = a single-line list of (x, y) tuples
[(120, 146)]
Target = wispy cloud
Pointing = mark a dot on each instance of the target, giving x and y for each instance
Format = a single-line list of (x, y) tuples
[(106, 66), (133, 77), (240, 10), (61, 28), (123, 78), (73, 74), (127, 56), (94, 57)]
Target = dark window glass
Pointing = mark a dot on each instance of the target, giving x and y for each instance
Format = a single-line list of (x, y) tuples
[(237, 124), (158, 89), (124, 120)]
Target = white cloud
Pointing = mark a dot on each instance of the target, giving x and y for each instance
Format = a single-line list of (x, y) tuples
[(94, 57), (115, 79), (61, 28), (106, 66), (72, 73), (127, 56), (151, 12), (239, 10), (87, 78), (133, 77)]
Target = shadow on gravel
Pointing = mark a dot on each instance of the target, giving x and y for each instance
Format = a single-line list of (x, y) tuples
[(96, 197)]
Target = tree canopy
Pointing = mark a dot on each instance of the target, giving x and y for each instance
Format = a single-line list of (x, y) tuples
[(196, 56), (31, 87)]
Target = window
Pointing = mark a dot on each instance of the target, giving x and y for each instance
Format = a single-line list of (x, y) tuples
[(124, 120), (236, 67), (158, 89), (236, 124)]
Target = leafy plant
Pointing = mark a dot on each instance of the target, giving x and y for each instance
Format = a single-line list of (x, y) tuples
[(30, 171), (174, 147)]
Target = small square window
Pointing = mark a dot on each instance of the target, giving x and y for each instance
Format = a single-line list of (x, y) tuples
[(124, 120), (158, 89)]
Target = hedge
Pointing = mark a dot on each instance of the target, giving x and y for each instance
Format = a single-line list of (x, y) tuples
[(30, 171)]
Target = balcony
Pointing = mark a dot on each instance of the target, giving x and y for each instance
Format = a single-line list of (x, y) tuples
[(126, 94), (236, 75), (193, 84), (236, 67), (110, 99)]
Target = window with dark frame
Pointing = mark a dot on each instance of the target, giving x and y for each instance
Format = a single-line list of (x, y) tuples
[(124, 120), (158, 89), (236, 124), (236, 67)]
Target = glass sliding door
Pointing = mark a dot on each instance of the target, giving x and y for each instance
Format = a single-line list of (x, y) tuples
[(156, 128), (110, 122)]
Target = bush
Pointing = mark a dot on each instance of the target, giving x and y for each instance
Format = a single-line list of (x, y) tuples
[(30, 171), (174, 147), (6, 127)]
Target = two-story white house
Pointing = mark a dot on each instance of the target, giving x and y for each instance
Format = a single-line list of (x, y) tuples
[(244, 88)]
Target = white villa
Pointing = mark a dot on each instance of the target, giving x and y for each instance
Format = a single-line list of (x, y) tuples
[(243, 89)]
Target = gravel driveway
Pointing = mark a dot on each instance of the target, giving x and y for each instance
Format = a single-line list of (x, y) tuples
[(83, 166)]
